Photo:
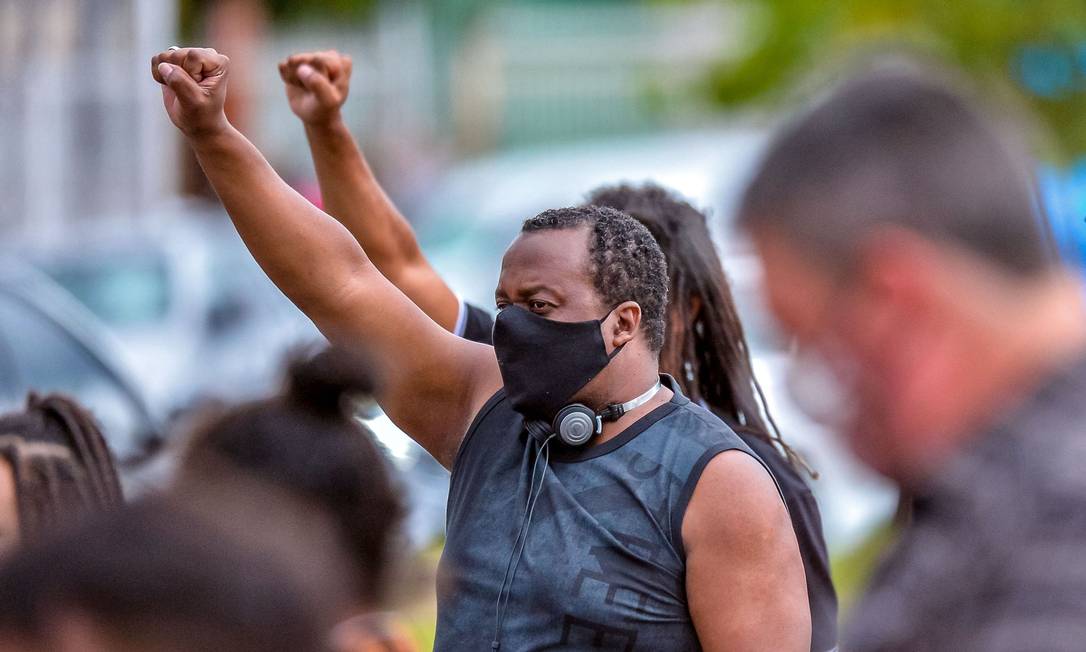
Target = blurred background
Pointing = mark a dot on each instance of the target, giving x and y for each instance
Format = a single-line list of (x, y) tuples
[(121, 280)]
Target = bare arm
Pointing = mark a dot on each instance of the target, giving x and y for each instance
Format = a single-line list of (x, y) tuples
[(432, 382), (317, 85), (744, 575)]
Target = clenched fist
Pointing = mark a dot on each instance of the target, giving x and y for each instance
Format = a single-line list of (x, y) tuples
[(317, 84), (193, 88)]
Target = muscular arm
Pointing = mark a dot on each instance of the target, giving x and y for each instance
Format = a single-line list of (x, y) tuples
[(744, 576), (431, 382), (317, 85)]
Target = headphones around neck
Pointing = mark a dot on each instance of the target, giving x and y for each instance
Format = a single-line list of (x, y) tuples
[(577, 423)]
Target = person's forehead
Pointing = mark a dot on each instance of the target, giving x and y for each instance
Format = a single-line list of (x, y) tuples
[(554, 257)]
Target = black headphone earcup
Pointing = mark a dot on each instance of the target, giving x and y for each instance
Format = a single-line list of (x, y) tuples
[(576, 424)]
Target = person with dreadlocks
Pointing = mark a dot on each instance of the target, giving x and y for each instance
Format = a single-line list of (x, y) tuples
[(706, 351), (54, 467)]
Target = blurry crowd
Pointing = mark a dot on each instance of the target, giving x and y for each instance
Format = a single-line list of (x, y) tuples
[(280, 530), (934, 328)]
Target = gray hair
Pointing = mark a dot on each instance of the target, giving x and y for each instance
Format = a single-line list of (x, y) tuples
[(898, 146)]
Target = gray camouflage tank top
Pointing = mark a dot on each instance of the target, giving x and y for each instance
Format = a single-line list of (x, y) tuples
[(603, 565)]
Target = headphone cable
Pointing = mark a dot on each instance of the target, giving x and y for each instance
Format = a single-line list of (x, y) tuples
[(522, 539)]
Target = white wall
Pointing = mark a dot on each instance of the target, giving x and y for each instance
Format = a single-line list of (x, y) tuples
[(83, 133)]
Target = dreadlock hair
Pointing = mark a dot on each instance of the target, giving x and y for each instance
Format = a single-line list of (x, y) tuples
[(705, 349), (60, 462), (626, 263), (307, 442)]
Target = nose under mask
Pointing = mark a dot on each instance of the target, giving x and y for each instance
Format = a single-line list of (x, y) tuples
[(543, 362)]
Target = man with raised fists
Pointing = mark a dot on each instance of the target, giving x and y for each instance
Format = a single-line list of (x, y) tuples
[(644, 523)]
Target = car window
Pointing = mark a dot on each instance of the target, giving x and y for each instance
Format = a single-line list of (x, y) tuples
[(121, 291), (45, 358)]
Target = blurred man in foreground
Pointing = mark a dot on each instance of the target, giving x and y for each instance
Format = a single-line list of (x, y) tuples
[(631, 549), (902, 249), (153, 577)]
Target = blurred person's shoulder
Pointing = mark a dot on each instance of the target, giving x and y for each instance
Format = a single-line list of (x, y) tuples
[(1030, 462), (1014, 493), (1000, 527), (1034, 462)]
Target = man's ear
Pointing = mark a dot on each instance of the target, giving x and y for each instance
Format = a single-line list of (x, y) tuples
[(899, 272), (623, 324)]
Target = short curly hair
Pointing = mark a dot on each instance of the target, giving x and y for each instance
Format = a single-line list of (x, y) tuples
[(626, 262)]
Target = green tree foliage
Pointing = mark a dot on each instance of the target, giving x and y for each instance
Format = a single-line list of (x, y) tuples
[(285, 12), (327, 10), (1034, 48)]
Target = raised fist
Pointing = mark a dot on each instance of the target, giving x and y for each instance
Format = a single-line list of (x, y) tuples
[(317, 84), (193, 88)]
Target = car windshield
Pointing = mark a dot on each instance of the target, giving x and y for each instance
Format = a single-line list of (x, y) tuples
[(38, 354), (123, 291)]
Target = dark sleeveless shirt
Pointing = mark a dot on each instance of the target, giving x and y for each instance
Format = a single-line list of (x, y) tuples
[(802, 509), (604, 565)]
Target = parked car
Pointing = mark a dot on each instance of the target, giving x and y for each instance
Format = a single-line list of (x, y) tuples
[(473, 214), (50, 342), (196, 316)]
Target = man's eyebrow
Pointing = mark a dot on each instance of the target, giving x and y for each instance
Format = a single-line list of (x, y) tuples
[(536, 288), (530, 290)]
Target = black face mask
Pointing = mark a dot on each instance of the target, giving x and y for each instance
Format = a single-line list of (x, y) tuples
[(545, 362)]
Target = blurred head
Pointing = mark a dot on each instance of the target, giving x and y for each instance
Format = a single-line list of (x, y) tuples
[(54, 468), (149, 578), (901, 248), (306, 442), (704, 346), (592, 263)]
